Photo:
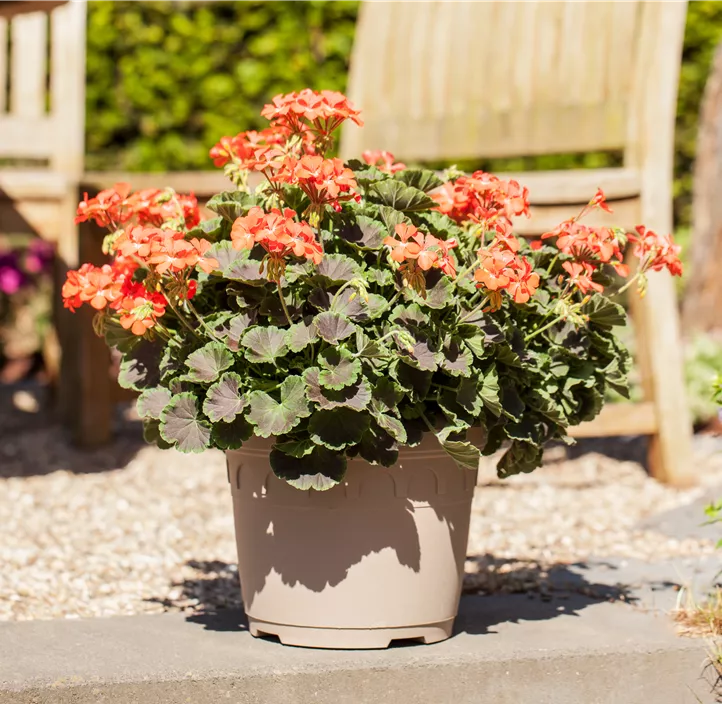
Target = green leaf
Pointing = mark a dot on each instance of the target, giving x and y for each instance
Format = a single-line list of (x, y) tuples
[(439, 293), (231, 204), (337, 428), (140, 367), (223, 399), (337, 269), (295, 448), (151, 434), (386, 395), (206, 363), (520, 457), (237, 326), (210, 229), (246, 270), (181, 426), (273, 417), (224, 253), (320, 470), (301, 334), (355, 396), (363, 232), (391, 217), (476, 393), (393, 426), (423, 179), (264, 344), (339, 368), (333, 327), (399, 196), (365, 347), (511, 403), (604, 313), (465, 454), (231, 436), (117, 337), (151, 402)]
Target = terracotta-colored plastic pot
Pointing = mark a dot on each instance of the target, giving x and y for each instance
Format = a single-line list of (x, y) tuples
[(376, 558)]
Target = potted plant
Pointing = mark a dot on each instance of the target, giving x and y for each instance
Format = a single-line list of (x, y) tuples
[(353, 336)]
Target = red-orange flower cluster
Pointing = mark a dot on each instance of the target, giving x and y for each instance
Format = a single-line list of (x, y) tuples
[(165, 250), (501, 269), (656, 252), (383, 161), (111, 286), (484, 199), (423, 249), (322, 112), (279, 234), (324, 181), (116, 206)]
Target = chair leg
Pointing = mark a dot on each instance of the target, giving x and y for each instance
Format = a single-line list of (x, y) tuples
[(85, 398), (661, 363)]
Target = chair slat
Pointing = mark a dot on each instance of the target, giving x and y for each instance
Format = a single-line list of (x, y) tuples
[(3, 64), (29, 64)]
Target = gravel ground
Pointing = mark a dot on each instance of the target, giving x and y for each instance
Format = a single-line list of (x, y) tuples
[(131, 529)]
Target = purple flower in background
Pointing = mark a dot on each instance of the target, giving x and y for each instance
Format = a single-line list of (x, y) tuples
[(11, 279), (39, 257)]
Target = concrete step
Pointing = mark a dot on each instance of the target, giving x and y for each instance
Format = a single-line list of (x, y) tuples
[(513, 649)]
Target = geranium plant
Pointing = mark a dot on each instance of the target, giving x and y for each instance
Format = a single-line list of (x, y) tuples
[(346, 309)]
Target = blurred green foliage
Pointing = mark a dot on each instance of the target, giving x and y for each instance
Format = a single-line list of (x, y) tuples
[(166, 80)]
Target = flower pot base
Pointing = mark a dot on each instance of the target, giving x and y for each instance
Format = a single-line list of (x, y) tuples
[(350, 638)]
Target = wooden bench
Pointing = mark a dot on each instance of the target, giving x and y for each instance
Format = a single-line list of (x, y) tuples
[(450, 81)]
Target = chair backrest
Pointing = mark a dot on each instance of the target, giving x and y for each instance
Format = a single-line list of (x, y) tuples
[(454, 80), (42, 62)]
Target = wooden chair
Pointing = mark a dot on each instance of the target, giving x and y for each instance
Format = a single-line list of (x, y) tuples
[(451, 80), (42, 133)]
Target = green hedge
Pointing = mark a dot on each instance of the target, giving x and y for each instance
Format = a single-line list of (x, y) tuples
[(165, 80)]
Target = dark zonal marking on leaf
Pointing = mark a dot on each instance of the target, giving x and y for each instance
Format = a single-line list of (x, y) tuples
[(301, 334), (206, 363), (414, 380), (272, 417), (387, 395), (457, 360), (320, 470), (423, 354), (264, 344), (180, 424), (357, 396), (333, 327), (511, 403), (364, 232), (339, 368), (349, 303), (423, 179), (151, 402), (223, 399), (439, 293), (140, 368), (231, 436), (410, 315), (338, 268), (378, 447), (399, 196), (237, 326), (337, 428)]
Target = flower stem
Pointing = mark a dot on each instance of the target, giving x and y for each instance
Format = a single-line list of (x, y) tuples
[(483, 302), (629, 283), (283, 303), (202, 322), (542, 329), (181, 317), (553, 262)]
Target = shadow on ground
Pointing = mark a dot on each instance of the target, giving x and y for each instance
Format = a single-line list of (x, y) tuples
[(527, 593), (33, 441)]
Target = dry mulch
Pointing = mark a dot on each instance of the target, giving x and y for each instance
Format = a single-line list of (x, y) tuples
[(132, 529)]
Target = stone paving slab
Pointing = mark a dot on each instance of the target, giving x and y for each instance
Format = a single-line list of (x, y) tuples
[(508, 650)]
